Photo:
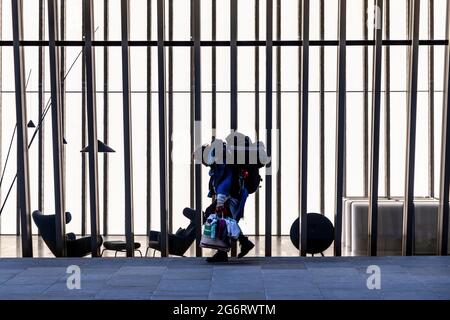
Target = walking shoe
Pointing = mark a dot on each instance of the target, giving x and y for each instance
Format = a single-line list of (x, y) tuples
[(246, 246), (220, 256)]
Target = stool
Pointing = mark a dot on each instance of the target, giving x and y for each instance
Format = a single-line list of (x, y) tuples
[(119, 246)]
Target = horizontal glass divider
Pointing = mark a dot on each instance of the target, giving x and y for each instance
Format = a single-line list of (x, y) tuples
[(240, 43)]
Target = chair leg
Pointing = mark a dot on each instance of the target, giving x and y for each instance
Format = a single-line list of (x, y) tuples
[(115, 255), (139, 252), (322, 254), (101, 254), (154, 252), (146, 251)]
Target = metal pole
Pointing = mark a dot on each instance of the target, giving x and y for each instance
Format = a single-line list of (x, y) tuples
[(198, 133), (443, 216), (269, 65), (127, 130), (375, 136), (278, 116), (192, 110), (322, 109), (213, 70), (149, 121), (431, 100), (257, 223), (105, 117), (170, 114), (22, 135), (62, 72), (57, 133), (91, 109), (233, 79), (162, 130), (233, 65), (83, 132), (408, 205), (387, 101), (340, 127), (366, 100), (303, 165), (41, 98)]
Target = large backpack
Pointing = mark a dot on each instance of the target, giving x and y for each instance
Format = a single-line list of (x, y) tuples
[(247, 158)]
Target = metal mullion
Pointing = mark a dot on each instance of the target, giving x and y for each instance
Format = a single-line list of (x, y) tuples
[(443, 213), (127, 129), (83, 130), (91, 112), (322, 109), (387, 101), (162, 130), (278, 117), (233, 80), (41, 106), (105, 117), (257, 222), (23, 177), (340, 128), (192, 109), (233, 66), (57, 134), (213, 69), (269, 167), (149, 122), (366, 101), (197, 133), (408, 205), (170, 115), (431, 126), (62, 71), (303, 165), (375, 136)]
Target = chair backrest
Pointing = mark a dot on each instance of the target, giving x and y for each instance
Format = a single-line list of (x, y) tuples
[(47, 227)]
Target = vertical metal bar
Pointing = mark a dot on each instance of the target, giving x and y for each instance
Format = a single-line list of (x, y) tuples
[(23, 177), (170, 114), (322, 109), (192, 110), (340, 127), (149, 121), (233, 65), (257, 222), (127, 129), (83, 131), (269, 167), (91, 111), (375, 136), (162, 129), (62, 72), (443, 216), (304, 131), (431, 100), (408, 205), (57, 134), (41, 98), (213, 69), (105, 117), (233, 78), (387, 101), (365, 100), (198, 133), (278, 115)]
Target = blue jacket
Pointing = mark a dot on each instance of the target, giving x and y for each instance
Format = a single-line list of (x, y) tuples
[(224, 182)]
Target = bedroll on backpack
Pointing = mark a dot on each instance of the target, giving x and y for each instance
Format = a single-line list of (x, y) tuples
[(249, 158)]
